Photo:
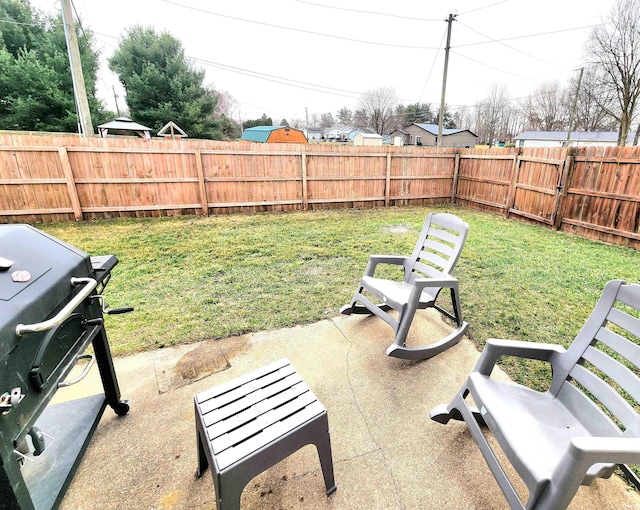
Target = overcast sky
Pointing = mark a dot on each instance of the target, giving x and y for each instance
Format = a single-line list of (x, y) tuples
[(283, 56)]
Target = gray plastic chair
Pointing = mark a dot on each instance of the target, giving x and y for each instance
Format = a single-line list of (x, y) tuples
[(583, 426), (426, 272)]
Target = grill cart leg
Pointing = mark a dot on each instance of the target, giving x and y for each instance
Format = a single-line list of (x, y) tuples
[(108, 374)]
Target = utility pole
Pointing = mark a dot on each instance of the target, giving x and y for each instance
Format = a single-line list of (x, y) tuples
[(573, 109), (79, 90), (115, 98), (450, 21)]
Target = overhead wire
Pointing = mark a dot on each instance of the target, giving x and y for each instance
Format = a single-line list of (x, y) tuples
[(300, 30), (490, 66), (389, 15), (483, 7), (511, 47), (525, 36), (280, 80), (435, 58)]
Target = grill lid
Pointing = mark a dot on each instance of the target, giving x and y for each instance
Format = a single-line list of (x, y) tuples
[(38, 280)]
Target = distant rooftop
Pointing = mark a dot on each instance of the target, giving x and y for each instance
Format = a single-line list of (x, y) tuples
[(581, 136), (433, 129)]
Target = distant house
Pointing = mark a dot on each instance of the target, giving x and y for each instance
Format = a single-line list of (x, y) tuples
[(337, 134), (372, 139), (578, 139), (330, 134), (315, 133), (273, 134), (427, 135)]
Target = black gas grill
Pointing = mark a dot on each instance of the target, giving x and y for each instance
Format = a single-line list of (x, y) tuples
[(51, 311)]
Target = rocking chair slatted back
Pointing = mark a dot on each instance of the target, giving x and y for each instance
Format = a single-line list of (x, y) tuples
[(438, 248)]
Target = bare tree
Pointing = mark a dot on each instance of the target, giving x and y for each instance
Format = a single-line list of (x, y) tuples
[(493, 115), (590, 114), (547, 108), (326, 120), (379, 106), (227, 104), (463, 118), (360, 119), (345, 116), (614, 47)]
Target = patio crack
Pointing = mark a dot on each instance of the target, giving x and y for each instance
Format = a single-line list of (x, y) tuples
[(362, 415)]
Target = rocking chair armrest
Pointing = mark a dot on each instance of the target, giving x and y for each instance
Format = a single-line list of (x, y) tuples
[(374, 260), (443, 281), (592, 449), (419, 284), (495, 348)]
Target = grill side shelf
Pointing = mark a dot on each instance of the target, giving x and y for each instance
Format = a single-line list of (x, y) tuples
[(102, 266)]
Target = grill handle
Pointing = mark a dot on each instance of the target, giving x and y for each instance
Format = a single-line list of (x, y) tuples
[(89, 285), (85, 370)]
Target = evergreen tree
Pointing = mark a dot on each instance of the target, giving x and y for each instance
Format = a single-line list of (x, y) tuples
[(162, 85), (36, 89), (262, 121)]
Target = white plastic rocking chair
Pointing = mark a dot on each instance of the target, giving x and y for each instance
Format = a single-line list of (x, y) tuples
[(426, 272)]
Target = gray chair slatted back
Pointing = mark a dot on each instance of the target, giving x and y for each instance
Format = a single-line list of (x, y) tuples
[(438, 247), (606, 363)]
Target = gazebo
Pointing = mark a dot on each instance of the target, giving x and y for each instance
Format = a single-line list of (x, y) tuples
[(125, 124)]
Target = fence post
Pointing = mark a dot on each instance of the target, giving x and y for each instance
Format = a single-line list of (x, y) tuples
[(71, 183), (201, 183), (305, 191), (563, 189), (454, 184), (387, 181), (515, 172)]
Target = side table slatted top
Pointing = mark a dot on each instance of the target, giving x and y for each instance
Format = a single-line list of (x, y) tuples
[(248, 413)]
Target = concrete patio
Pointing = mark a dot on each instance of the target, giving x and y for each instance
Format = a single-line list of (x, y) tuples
[(387, 453)]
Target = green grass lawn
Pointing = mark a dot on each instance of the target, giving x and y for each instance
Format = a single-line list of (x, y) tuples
[(193, 278)]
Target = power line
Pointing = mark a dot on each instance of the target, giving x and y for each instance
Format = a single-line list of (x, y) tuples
[(390, 45), (78, 18), (483, 7), (351, 94), (525, 36), (432, 65), (253, 74), (369, 12), (511, 47), (491, 67), (233, 68), (43, 24)]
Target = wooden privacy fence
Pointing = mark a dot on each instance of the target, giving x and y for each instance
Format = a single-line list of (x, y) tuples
[(593, 192)]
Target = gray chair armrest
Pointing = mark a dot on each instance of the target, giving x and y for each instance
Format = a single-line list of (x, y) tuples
[(584, 452), (419, 284), (495, 348), (443, 281), (374, 260), (616, 450)]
